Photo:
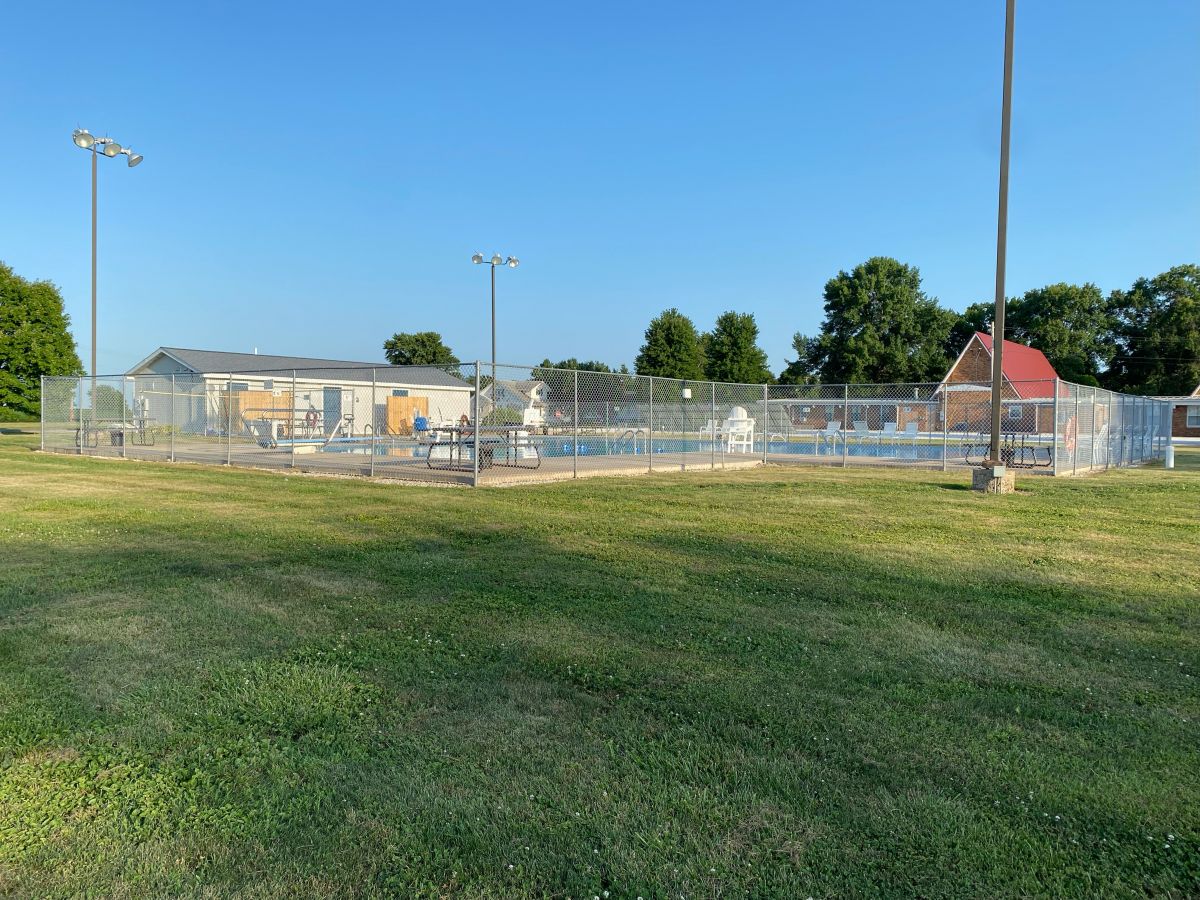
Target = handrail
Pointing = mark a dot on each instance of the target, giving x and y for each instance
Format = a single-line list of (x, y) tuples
[(632, 434)]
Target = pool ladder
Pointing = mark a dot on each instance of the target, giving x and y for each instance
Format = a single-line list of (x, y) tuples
[(630, 434)]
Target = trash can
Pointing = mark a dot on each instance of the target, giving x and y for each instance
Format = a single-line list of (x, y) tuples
[(117, 438)]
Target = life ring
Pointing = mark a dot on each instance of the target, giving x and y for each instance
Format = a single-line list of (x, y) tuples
[(310, 418), (1069, 439)]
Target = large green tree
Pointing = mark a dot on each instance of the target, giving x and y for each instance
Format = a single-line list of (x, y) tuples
[(731, 351), (1070, 323), (1157, 334), (879, 327), (35, 340), (421, 348), (672, 348)]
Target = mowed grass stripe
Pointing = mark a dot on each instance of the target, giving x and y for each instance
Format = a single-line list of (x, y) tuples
[(771, 682)]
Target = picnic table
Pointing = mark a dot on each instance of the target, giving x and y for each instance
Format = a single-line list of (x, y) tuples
[(451, 446), (137, 429)]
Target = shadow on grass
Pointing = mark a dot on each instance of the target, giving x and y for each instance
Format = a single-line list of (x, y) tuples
[(418, 697)]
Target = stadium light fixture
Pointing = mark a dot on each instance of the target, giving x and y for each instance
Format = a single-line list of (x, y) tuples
[(497, 260), (85, 140)]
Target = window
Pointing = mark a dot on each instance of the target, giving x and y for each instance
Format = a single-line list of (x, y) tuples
[(240, 386), (1193, 417), (269, 385), (400, 392), (1014, 413)]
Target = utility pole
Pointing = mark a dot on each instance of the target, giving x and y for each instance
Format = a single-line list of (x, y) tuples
[(1002, 236), (993, 477)]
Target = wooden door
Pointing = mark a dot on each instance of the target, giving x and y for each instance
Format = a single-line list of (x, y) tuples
[(402, 410)]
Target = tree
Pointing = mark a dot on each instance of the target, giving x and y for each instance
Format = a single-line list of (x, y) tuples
[(560, 384), (1157, 334), (880, 327), (803, 369), (672, 348), (422, 348), (35, 340), (1070, 323), (976, 317), (590, 365), (731, 351)]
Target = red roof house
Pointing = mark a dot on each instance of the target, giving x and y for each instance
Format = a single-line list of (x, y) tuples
[(1028, 387), (1027, 372)]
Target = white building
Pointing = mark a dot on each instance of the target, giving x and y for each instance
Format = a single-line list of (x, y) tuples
[(215, 391), (528, 398)]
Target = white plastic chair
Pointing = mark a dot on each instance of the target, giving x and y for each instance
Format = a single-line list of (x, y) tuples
[(739, 435)]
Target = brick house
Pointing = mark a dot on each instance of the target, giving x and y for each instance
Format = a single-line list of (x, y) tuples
[(1027, 389), (1185, 415)]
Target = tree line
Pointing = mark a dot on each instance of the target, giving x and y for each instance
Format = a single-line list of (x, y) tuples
[(880, 327)]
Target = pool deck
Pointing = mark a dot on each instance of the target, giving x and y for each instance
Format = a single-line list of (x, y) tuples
[(401, 465)]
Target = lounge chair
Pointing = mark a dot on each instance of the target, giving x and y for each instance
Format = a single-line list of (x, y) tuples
[(830, 436), (888, 434)]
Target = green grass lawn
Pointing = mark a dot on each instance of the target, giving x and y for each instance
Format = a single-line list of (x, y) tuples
[(780, 682)]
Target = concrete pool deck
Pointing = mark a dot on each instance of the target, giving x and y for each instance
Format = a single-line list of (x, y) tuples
[(401, 465)]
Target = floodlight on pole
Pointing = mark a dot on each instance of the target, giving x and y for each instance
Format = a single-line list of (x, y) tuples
[(106, 146), (497, 260)]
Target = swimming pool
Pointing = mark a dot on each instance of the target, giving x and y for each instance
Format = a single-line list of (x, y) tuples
[(560, 446)]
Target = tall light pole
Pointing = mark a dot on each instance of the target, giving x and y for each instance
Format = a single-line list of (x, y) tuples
[(512, 262), (84, 140), (1002, 235)]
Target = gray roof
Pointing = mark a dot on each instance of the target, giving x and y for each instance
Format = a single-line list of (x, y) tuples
[(219, 361)]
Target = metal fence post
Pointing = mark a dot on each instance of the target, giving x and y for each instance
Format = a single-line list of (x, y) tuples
[(81, 420), (124, 429), (42, 413), (575, 420), (475, 454), (1108, 431), (650, 429), (1054, 454), (945, 430), (712, 452), (1124, 418), (172, 417), (1075, 452), (292, 425), (845, 423), (229, 422), (1092, 436), (766, 425), (371, 473)]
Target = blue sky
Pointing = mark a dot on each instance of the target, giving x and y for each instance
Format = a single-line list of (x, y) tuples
[(317, 177)]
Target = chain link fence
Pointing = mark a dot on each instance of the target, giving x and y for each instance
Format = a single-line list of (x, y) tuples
[(475, 423)]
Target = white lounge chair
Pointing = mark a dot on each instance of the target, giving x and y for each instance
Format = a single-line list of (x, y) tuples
[(830, 436), (888, 434)]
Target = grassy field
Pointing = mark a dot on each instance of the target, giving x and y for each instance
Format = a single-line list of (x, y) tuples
[(782, 682)]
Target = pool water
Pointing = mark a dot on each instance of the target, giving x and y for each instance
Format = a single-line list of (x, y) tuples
[(557, 447)]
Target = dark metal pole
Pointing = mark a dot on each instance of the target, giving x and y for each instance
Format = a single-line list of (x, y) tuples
[(1002, 233), (93, 282), (493, 336)]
